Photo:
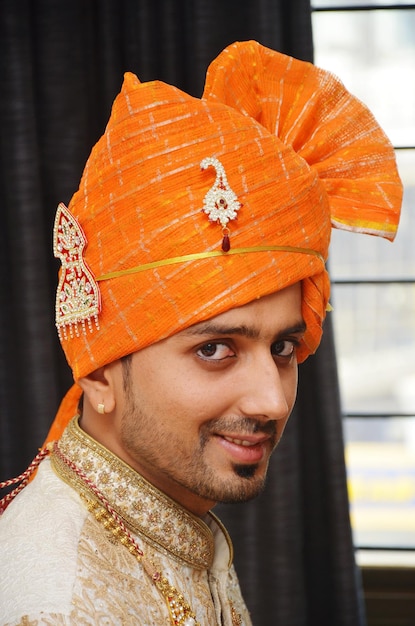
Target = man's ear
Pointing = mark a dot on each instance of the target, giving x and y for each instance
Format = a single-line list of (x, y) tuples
[(100, 386)]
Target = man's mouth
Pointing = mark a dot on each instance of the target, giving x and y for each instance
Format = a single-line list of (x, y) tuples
[(241, 442), (245, 449)]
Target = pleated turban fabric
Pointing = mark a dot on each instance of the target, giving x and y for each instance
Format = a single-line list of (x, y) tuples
[(286, 152)]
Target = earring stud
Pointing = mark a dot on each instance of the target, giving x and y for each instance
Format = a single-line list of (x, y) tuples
[(101, 408)]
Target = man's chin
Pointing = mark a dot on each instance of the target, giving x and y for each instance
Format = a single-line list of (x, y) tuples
[(248, 488)]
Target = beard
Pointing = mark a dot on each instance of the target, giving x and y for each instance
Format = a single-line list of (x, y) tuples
[(166, 454)]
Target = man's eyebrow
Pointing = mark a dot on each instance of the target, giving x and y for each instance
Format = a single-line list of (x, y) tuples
[(213, 329)]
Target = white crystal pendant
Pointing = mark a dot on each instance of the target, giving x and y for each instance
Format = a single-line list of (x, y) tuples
[(220, 203)]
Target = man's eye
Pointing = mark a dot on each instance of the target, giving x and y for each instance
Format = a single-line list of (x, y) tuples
[(215, 351), (284, 348)]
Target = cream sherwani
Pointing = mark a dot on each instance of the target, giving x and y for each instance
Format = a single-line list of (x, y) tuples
[(59, 565)]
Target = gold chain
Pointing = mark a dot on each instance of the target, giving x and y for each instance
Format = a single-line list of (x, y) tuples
[(180, 611)]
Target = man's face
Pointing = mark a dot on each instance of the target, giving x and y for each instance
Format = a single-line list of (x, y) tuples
[(199, 413)]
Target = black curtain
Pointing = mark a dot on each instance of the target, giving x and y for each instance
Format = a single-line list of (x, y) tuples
[(61, 65)]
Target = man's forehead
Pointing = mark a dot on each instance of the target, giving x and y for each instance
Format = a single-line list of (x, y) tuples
[(276, 311)]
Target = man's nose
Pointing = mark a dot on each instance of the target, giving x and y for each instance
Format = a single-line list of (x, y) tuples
[(266, 392)]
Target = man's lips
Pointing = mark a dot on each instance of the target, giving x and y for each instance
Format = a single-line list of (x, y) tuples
[(246, 441), (244, 449)]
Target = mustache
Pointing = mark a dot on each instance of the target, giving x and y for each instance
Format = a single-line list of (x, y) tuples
[(242, 426)]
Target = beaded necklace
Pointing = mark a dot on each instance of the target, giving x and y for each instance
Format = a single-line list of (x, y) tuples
[(180, 611)]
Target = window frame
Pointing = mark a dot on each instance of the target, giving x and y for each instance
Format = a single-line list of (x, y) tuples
[(338, 283)]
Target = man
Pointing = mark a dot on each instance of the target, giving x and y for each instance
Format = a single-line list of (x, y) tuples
[(193, 282)]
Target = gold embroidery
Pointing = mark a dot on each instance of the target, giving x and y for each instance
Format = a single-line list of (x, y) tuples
[(47, 619), (236, 618), (131, 599), (109, 585), (180, 611), (135, 600), (189, 540)]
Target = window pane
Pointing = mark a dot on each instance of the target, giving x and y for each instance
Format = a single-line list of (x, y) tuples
[(373, 52), (355, 256), (380, 458), (374, 329)]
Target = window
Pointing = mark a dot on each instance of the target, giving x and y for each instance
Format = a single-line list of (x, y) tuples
[(371, 47)]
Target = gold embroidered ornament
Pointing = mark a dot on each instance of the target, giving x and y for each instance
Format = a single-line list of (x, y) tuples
[(77, 298)]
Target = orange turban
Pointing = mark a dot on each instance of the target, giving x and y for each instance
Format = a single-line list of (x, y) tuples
[(274, 153)]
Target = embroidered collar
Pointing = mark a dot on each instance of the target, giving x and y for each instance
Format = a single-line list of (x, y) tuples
[(145, 510)]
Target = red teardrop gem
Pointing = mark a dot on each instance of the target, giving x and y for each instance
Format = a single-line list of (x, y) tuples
[(226, 244)]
